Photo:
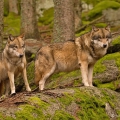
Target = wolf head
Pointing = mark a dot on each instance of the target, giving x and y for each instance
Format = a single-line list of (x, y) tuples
[(16, 46), (101, 37)]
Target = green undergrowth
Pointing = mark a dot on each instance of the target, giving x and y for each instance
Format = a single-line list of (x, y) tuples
[(97, 10), (12, 24), (47, 18), (116, 41)]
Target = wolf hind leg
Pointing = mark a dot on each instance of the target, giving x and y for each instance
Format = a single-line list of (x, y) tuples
[(45, 76)]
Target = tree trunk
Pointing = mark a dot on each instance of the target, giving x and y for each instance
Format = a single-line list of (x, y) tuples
[(64, 27), (78, 12), (28, 19), (1, 24), (13, 6)]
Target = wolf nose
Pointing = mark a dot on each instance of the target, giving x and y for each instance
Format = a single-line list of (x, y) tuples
[(104, 45), (21, 56)]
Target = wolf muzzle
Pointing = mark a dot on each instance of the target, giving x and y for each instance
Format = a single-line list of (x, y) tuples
[(104, 45), (21, 55)]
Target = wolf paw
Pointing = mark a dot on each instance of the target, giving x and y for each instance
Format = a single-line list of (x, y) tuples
[(28, 89), (12, 94)]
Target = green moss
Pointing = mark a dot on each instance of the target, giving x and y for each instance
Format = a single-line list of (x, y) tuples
[(47, 18), (107, 85), (111, 85), (29, 112), (62, 115), (97, 10), (12, 24), (116, 41), (91, 107), (66, 99), (36, 101), (99, 67), (33, 110), (3, 117)]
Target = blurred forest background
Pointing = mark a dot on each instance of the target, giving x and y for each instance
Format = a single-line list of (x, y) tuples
[(53, 20)]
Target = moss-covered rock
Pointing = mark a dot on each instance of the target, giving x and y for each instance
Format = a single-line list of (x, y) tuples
[(69, 104), (97, 10)]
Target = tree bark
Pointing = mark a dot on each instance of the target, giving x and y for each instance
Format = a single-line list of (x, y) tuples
[(13, 6), (28, 19), (78, 12), (64, 25), (1, 24)]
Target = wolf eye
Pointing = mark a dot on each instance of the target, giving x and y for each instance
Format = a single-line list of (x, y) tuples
[(15, 46), (23, 46), (96, 37), (108, 36), (99, 37)]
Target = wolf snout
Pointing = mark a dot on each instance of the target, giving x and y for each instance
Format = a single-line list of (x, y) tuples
[(21, 55), (104, 45)]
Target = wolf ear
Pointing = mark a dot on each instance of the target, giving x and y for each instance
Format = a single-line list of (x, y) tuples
[(22, 36), (95, 29), (107, 27), (10, 38)]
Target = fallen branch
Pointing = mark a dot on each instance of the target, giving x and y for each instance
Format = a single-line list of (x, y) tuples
[(93, 22)]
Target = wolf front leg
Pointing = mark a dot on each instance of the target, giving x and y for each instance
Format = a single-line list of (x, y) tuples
[(84, 72), (12, 85), (90, 74), (26, 80), (7, 87)]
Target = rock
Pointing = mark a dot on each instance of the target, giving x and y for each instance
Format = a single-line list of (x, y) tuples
[(112, 16), (32, 45), (77, 103), (110, 74)]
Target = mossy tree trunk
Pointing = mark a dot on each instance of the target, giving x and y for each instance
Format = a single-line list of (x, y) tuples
[(1, 24), (78, 12), (64, 27), (28, 19), (13, 6)]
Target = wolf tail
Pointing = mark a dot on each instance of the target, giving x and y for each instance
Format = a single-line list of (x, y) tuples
[(1, 88)]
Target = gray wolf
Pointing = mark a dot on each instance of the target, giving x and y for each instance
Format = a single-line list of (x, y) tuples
[(82, 53), (13, 63)]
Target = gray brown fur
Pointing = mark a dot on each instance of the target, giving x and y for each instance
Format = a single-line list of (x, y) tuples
[(12, 64), (68, 56)]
